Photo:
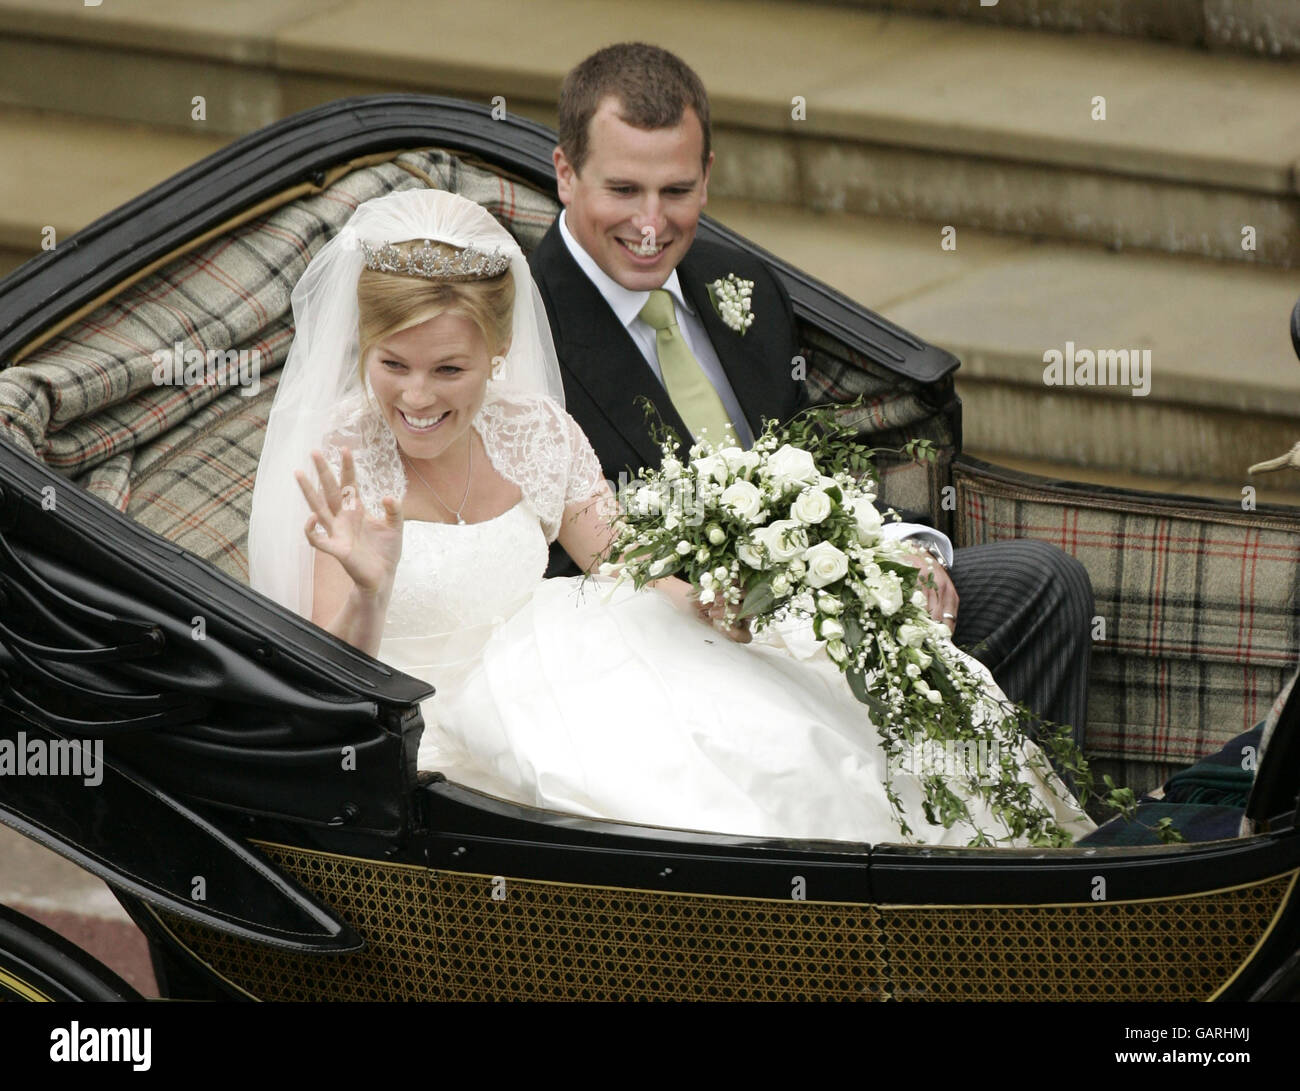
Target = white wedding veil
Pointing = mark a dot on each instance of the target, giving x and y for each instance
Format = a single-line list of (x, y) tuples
[(320, 375)]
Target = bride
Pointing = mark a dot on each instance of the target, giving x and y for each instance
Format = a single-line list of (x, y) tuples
[(423, 394)]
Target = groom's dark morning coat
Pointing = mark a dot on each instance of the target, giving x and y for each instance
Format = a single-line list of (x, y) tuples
[(1025, 605), (605, 373)]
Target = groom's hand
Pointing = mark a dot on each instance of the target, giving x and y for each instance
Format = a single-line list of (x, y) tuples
[(684, 598), (934, 581), (715, 614)]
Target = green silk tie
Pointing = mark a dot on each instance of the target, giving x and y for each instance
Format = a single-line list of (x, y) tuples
[(687, 385)]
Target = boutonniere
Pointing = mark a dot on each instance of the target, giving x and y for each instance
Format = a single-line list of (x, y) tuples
[(731, 300)]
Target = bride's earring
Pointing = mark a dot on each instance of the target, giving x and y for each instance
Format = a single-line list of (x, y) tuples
[(498, 366)]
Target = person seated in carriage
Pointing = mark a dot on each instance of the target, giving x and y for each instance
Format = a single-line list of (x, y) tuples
[(630, 294)]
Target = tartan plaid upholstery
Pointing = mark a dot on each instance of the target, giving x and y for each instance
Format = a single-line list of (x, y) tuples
[(895, 410), (1198, 606)]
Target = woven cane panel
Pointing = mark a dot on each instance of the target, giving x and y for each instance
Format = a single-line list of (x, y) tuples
[(1170, 949), (444, 936)]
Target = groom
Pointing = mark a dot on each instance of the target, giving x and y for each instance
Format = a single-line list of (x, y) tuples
[(621, 263)]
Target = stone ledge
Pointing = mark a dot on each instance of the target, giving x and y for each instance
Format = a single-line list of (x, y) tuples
[(55, 186), (1269, 28), (1218, 332), (1277, 488), (926, 83), (1096, 435), (241, 31)]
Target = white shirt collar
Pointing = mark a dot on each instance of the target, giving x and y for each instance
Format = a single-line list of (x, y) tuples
[(625, 303)]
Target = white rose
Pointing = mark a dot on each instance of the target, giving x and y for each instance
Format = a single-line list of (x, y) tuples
[(918, 598), (912, 671), (934, 697), (743, 498), (706, 596), (790, 466), (684, 547), (716, 534), (711, 466), (836, 650), (911, 636), (645, 502), (785, 539), (781, 584), (832, 629), (798, 568), (720, 573), (829, 604), (811, 507), (887, 591), (748, 554), (867, 519), (826, 564), (738, 461)]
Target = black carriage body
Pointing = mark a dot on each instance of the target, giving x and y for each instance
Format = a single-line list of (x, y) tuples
[(373, 882)]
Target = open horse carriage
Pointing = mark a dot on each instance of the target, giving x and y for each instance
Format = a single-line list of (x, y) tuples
[(261, 865)]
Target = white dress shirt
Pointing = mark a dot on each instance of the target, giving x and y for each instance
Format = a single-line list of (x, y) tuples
[(626, 305)]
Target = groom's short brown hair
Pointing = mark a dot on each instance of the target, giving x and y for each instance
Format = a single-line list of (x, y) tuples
[(652, 86)]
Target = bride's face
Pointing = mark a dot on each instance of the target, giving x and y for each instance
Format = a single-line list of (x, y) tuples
[(429, 381)]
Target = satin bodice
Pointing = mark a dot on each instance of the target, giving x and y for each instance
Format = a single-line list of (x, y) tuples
[(454, 577)]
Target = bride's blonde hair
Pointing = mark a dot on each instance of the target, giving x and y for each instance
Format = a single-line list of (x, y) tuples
[(391, 302)]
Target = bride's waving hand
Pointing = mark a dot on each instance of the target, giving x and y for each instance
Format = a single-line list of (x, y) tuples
[(357, 554)]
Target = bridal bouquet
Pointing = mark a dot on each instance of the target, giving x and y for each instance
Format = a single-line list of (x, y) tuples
[(790, 529)]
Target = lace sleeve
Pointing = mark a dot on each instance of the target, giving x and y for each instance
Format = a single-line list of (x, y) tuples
[(534, 443), (586, 478)]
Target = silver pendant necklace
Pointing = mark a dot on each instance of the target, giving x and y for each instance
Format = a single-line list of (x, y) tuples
[(469, 471)]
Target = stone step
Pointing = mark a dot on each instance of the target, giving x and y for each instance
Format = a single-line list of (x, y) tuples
[(816, 106), (1222, 389), (1267, 28), (63, 172), (1276, 488), (10, 260)]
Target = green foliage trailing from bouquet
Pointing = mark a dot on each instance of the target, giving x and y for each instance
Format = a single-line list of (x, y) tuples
[(790, 530)]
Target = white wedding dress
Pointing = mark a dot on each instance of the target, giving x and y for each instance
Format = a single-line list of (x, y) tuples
[(560, 694)]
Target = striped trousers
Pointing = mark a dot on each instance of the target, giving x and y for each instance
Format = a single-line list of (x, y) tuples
[(1025, 611)]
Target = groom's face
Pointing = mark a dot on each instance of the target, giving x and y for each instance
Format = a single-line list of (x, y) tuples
[(636, 203)]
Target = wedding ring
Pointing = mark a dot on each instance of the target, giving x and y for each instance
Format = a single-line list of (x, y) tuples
[(949, 617)]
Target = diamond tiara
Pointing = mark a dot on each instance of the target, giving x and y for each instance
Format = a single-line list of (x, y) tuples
[(427, 261)]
